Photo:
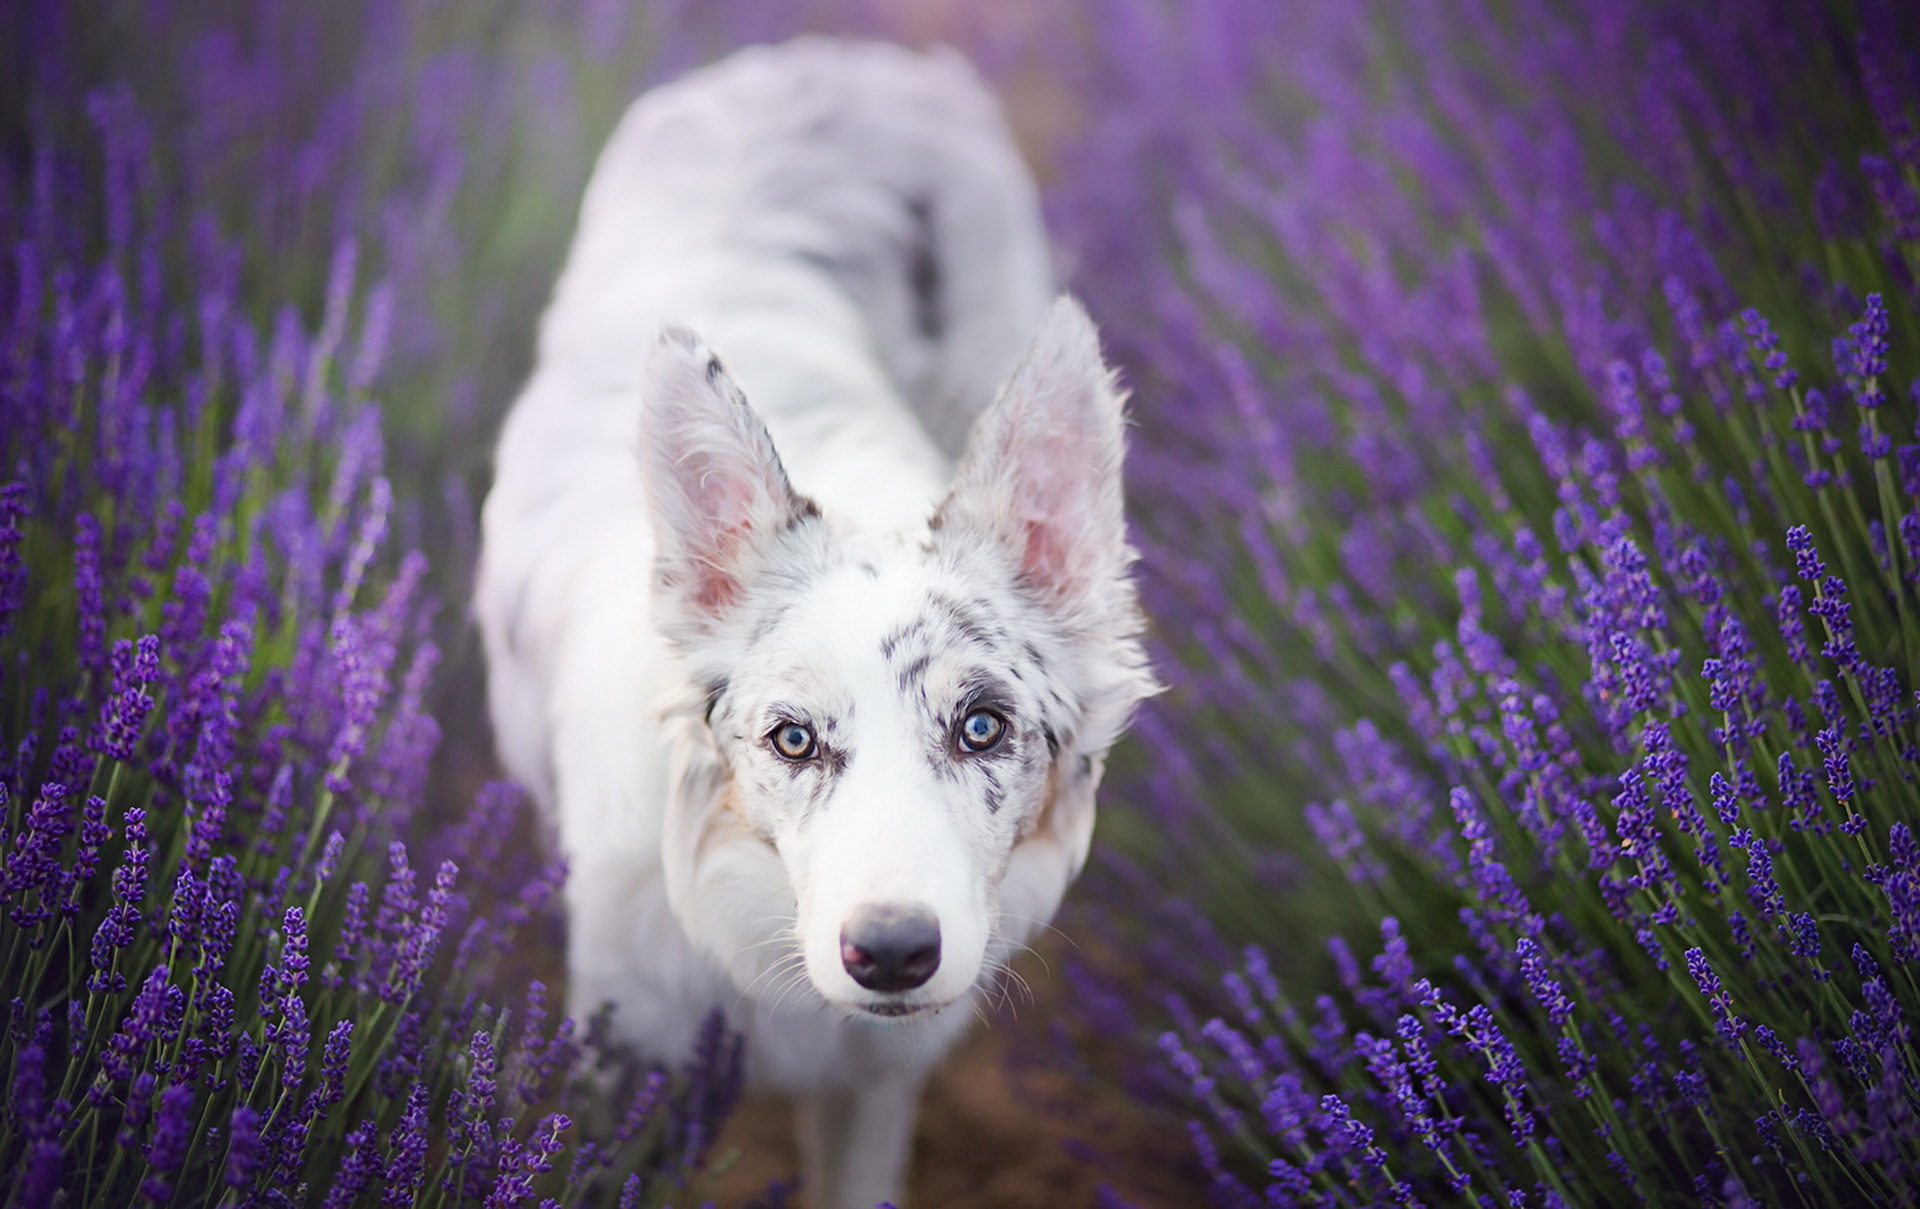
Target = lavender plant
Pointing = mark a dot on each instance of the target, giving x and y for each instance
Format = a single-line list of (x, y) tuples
[(242, 964), (1530, 509)]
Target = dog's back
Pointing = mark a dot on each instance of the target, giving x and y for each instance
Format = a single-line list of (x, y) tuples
[(850, 227), (888, 174)]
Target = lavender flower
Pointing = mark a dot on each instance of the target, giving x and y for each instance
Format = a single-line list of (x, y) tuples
[(33, 864), (293, 952), (408, 1164), (142, 1028), (1730, 1025), (1546, 989), (128, 702), (172, 1130), (243, 1146), (360, 1168)]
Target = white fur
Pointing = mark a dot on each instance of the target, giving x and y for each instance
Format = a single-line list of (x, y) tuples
[(669, 574)]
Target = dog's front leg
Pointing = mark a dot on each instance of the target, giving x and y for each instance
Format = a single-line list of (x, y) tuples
[(854, 1143)]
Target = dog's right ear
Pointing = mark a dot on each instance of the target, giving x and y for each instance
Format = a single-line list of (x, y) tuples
[(1041, 476), (716, 486)]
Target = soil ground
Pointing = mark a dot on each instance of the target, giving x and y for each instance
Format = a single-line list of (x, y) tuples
[(1000, 1128)]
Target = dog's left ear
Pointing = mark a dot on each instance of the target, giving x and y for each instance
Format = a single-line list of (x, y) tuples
[(718, 492), (1041, 475)]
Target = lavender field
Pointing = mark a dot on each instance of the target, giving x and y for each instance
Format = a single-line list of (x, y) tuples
[(1527, 481)]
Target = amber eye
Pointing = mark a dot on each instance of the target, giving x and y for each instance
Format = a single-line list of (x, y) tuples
[(794, 741), (981, 730)]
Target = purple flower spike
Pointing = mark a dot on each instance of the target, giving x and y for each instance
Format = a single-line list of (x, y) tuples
[(358, 1169), (293, 953), (172, 1130), (335, 1061), (407, 1164), (14, 510), (476, 1100), (33, 865), (1833, 754), (1774, 358), (291, 1036), (1492, 882), (1806, 559), (1546, 989), (518, 1169), (417, 947), (347, 941), (116, 931), (396, 898), (1792, 624), (1725, 803), (1862, 355), (243, 1146), (1761, 886), (1730, 1025), (1504, 1068), (362, 676), (1901, 884), (330, 856), (90, 593), (142, 1027), (125, 713)]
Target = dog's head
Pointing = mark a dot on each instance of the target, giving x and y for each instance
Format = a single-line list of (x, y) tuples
[(887, 745)]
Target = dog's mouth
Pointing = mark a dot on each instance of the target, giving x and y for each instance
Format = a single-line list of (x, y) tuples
[(895, 1009), (890, 1009)]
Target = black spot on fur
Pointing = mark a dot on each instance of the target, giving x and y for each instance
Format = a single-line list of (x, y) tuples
[(915, 670), (517, 614), (714, 692), (869, 570), (715, 371), (923, 272), (966, 620), (1053, 740), (996, 795), (892, 642), (1033, 653)]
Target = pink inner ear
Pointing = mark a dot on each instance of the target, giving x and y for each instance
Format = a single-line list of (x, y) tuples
[(715, 590), (1047, 560), (1048, 496), (722, 506)]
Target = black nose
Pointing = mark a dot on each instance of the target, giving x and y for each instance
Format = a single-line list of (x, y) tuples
[(891, 948)]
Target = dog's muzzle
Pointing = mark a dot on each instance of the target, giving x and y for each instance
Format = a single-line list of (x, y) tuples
[(891, 947)]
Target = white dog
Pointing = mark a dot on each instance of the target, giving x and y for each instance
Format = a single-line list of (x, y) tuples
[(819, 729)]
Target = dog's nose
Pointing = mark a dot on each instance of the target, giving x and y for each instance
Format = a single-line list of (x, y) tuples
[(891, 948)]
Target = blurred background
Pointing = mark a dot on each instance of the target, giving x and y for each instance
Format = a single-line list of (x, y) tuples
[(1525, 477)]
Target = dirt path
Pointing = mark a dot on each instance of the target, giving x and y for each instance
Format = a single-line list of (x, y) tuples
[(999, 1129)]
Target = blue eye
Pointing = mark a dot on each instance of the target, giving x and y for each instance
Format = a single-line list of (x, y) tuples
[(794, 741), (981, 730)]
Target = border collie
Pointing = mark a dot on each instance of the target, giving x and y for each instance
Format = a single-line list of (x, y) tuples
[(805, 581)]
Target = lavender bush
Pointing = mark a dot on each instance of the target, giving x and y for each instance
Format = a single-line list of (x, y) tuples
[(244, 962), (1529, 499)]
